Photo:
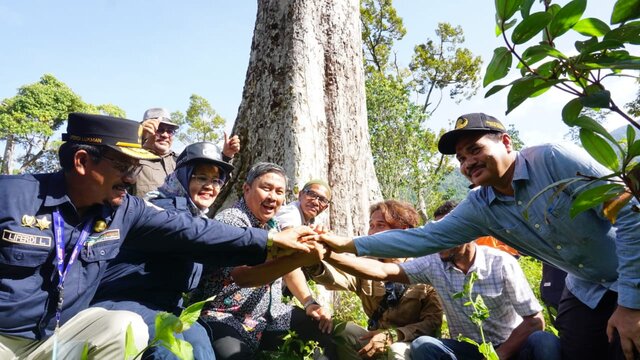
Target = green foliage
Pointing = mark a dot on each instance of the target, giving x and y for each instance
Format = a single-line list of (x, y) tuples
[(202, 121), (478, 316), (166, 326), (516, 140), (293, 348), (381, 26), (348, 308), (601, 55), (29, 119), (407, 162), (444, 64)]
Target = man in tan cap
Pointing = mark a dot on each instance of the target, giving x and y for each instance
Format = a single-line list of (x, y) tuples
[(158, 132)]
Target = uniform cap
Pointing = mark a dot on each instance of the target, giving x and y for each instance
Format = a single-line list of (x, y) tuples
[(161, 114), (204, 151), (465, 124), (120, 134)]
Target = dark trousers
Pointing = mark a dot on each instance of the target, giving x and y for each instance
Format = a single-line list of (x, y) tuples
[(228, 344), (583, 331)]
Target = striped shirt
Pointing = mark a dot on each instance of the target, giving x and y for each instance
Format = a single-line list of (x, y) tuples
[(501, 283)]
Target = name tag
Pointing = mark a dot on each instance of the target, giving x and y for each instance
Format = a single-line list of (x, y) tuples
[(26, 239), (109, 235)]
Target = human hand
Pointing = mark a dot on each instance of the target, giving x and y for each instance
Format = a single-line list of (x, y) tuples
[(291, 239), (377, 345), (149, 128), (335, 242), (317, 253), (231, 145), (627, 322), (323, 316), (319, 229)]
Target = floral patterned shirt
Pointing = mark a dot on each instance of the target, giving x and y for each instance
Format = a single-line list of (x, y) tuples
[(250, 311)]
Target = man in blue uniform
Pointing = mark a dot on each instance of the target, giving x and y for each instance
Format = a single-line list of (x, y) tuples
[(59, 230), (599, 313)]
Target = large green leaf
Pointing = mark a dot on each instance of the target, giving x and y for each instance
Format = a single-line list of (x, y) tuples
[(526, 88), (593, 197), (525, 8), (591, 27), (499, 66), (130, 349), (506, 8), (567, 17), (588, 123), (597, 100), (530, 27), (190, 315), (627, 33), (634, 148), (542, 49), (590, 47), (600, 149), (549, 69), (625, 10), (571, 111), (631, 135), (494, 90)]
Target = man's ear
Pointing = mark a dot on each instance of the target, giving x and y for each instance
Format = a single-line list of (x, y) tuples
[(80, 161), (506, 141), (245, 188)]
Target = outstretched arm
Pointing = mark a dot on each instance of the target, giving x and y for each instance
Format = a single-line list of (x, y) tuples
[(368, 268), (250, 276)]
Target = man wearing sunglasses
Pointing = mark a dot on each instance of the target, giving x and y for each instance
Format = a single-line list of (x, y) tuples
[(60, 230), (313, 199), (157, 133)]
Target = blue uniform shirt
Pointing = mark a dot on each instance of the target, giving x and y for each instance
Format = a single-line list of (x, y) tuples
[(28, 274), (597, 255)]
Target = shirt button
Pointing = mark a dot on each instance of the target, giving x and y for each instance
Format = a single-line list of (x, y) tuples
[(603, 280), (519, 202), (508, 231), (558, 247), (537, 226), (18, 256), (102, 252), (580, 266)]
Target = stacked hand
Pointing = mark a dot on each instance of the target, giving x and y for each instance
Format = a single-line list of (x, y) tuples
[(292, 239)]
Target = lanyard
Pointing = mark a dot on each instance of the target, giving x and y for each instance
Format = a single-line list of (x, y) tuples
[(58, 224)]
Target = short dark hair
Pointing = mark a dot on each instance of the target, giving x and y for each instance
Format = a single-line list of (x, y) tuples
[(68, 150), (445, 208), (262, 168), (398, 214)]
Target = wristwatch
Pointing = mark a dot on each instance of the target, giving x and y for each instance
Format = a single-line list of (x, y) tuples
[(272, 249), (310, 302)]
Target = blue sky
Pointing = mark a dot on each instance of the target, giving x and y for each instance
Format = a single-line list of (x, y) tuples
[(140, 53)]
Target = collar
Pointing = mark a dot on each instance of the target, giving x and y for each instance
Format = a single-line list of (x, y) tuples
[(242, 206), (479, 263), (55, 190), (520, 173)]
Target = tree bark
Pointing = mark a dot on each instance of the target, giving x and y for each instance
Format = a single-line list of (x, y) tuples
[(303, 106)]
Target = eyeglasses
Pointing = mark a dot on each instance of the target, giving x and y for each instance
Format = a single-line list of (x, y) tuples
[(125, 168), (166, 129), (315, 196), (203, 180)]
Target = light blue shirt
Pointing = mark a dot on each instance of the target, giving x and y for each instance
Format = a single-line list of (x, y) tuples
[(597, 255)]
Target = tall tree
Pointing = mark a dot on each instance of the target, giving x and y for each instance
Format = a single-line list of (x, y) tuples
[(381, 27), (442, 63), (29, 119), (303, 104), (203, 122)]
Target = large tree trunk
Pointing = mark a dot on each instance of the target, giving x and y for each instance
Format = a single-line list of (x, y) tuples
[(303, 105)]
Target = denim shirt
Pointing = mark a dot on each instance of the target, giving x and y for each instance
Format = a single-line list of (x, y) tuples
[(597, 255)]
